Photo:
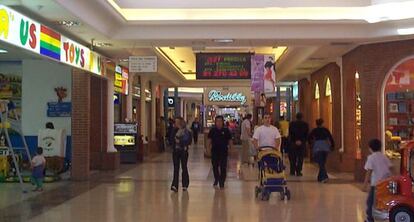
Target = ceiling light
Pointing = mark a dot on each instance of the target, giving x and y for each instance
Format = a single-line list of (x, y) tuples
[(407, 31), (123, 60), (68, 23), (224, 40), (3, 51)]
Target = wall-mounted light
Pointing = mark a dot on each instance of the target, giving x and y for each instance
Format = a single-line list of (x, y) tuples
[(3, 51)]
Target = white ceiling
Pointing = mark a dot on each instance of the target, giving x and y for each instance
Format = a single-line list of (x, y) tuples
[(311, 44)]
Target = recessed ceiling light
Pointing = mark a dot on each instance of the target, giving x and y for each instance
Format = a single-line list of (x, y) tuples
[(223, 40), (68, 23), (407, 31), (3, 51)]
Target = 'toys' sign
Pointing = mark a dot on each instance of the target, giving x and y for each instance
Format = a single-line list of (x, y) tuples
[(217, 96)]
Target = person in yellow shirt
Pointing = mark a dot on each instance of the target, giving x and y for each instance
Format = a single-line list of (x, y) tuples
[(284, 131)]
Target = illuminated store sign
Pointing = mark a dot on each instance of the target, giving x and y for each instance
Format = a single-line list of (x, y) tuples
[(21, 31), (124, 140), (218, 96)]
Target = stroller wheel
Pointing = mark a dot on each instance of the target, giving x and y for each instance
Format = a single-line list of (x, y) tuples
[(265, 196), (287, 194), (257, 191)]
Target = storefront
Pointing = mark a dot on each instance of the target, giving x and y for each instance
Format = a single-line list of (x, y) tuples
[(49, 78), (398, 105)]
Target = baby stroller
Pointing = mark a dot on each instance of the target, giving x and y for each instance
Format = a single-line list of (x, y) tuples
[(272, 176)]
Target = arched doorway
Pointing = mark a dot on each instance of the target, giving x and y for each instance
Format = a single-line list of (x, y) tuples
[(315, 105), (398, 106)]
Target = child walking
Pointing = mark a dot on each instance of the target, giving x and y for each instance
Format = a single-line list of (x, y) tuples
[(378, 167), (38, 166)]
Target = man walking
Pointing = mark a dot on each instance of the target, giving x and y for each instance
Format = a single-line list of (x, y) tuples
[(219, 138), (298, 135), (246, 135), (196, 128), (267, 135)]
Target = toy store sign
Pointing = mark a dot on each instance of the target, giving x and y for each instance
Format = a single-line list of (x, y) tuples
[(26, 33), (227, 96)]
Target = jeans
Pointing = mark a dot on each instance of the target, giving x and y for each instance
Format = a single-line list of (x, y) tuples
[(296, 155), (370, 204), (321, 158), (37, 181), (219, 161), (180, 157)]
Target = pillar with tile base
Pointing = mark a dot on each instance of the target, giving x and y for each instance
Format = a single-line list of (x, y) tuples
[(81, 84)]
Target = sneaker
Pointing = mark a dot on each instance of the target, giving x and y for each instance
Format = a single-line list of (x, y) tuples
[(173, 188), (185, 188), (325, 180), (299, 174)]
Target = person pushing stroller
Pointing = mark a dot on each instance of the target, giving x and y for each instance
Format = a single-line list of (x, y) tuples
[(267, 135)]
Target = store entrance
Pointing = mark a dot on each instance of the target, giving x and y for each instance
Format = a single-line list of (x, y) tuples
[(398, 106)]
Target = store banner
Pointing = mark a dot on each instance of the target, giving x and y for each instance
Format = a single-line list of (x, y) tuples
[(257, 82), (21, 31), (121, 80), (263, 73), (269, 76), (232, 96), (223, 65)]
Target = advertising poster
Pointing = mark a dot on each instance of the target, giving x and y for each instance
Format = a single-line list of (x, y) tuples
[(11, 89), (257, 64), (269, 76), (223, 65)]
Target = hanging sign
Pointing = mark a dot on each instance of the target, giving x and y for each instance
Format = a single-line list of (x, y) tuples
[(120, 82), (227, 96), (223, 66), (143, 64)]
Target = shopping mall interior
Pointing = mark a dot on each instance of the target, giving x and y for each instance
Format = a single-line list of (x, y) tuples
[(98, 85)]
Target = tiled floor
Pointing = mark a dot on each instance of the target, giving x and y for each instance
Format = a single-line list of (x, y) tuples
[(142, 194)]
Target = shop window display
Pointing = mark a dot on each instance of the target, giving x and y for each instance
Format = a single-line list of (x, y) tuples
[(399, 106)]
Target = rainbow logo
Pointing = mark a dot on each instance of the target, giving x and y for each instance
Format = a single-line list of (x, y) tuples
[(49, 43)]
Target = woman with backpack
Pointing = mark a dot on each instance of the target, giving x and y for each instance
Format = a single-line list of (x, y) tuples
[(182, 139), (322, 143)]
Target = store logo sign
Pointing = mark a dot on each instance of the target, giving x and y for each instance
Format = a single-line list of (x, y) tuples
[(19, 30), (218, 96)]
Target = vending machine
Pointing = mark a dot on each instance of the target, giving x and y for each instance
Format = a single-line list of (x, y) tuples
[(126, 141)]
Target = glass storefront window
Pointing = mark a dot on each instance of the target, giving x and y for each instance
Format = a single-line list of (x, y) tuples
[(398, 106)]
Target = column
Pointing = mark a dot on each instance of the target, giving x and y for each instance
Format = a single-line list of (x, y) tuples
[(177, 102), (110, 117), (276, 113), (289, 98), (81, 85), (144, 131), (153, 111), (129, 97)]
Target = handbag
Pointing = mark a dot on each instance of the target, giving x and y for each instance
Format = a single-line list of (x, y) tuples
[(321, 145)]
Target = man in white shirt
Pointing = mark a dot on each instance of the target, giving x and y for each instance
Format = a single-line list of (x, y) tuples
[(267, 135), (246, 135)]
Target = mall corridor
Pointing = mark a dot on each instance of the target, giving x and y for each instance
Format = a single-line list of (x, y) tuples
[(142, 193)]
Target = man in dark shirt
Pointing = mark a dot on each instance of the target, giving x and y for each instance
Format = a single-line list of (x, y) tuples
[(219, 139), (195, 127), (298, 135)]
